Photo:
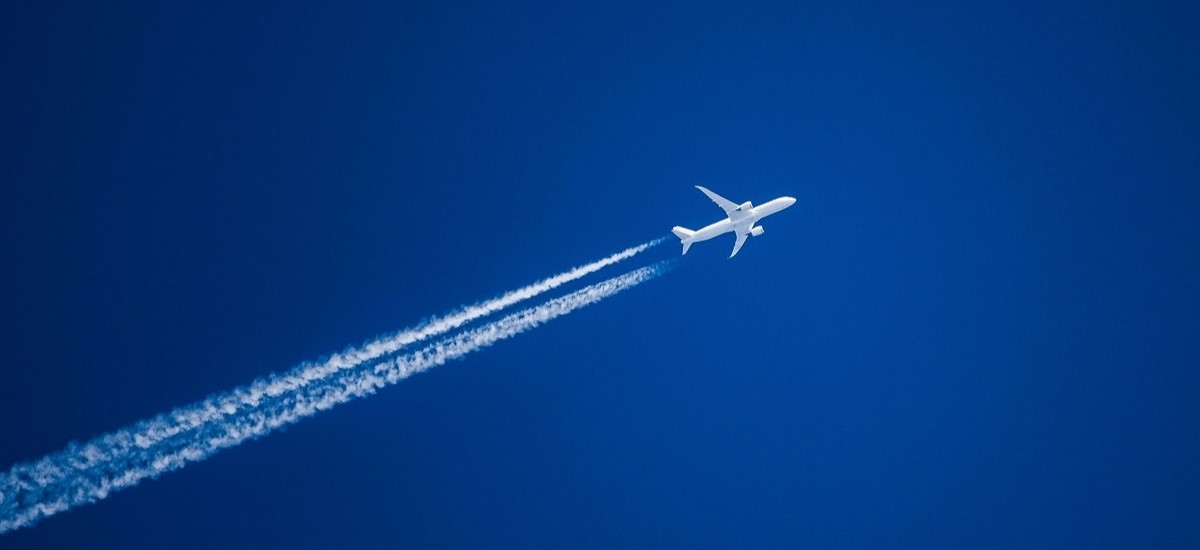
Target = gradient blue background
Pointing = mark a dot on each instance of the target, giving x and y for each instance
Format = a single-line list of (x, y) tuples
[(976, 328)]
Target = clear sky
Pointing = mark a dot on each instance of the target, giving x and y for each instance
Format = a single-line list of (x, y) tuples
[(977, 327)]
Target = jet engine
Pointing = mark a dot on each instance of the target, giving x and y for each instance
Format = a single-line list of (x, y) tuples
[(757, 230), (745, 206)]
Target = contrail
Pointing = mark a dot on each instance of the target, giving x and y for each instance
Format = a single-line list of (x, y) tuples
[(183, 419), (25, 500), (147, 433)]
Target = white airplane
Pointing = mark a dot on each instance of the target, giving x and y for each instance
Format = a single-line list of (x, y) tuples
[(740, 221)]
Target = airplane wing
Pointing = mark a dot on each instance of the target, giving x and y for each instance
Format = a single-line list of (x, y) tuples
[(741, 240), (727, 205)]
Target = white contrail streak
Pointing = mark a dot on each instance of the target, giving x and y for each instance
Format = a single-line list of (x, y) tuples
[(171, 424), (25, 500), (148, 433)]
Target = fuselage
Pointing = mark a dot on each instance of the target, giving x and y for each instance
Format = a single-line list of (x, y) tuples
[(742, 221)]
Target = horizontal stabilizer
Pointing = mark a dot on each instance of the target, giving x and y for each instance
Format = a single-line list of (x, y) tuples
[(685, 236)]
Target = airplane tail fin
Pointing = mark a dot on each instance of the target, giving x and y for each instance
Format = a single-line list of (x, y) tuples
[(685, 236)]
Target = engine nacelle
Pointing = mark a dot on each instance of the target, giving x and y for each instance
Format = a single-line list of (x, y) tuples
[(757, 231), (745, 206)]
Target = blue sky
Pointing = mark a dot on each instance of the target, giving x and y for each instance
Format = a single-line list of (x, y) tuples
[(976, 327)]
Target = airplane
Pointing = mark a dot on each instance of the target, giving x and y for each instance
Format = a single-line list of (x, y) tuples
[(740, 221)]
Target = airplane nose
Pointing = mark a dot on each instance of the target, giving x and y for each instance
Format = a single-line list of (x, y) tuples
[(788, 201)]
